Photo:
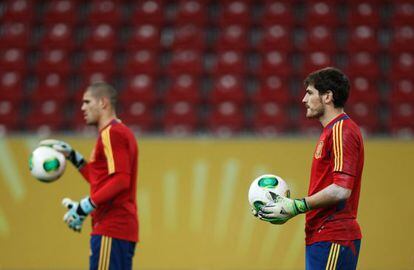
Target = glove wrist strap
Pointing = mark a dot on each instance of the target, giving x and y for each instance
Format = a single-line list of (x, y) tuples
[(301, 206), (77, 159)]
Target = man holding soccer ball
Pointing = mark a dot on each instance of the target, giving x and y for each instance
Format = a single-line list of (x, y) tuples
[(112, 175), (333, 235)]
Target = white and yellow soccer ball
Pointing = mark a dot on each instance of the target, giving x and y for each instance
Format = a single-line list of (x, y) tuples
[(264, 188), (46, 164)]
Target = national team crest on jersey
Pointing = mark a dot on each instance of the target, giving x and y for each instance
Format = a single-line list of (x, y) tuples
[(318, 152)]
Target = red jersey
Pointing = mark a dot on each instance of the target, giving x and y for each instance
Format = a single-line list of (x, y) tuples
[(112, 175), (339, 159)]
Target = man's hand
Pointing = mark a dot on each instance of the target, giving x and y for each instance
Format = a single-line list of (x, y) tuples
[(77, 212), (282, 209), (73, 156)]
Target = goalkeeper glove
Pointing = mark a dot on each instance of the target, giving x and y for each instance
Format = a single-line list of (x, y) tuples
[(77, 212), (73, 156), (282, 209)]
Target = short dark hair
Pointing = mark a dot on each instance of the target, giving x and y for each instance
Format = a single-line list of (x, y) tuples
[(330, 79), (103, 89)]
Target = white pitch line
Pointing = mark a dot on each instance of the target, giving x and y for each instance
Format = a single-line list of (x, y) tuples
[(198, 199), (170, 200), (10, 172)]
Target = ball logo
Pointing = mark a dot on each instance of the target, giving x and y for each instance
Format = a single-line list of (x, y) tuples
[(318, 152)]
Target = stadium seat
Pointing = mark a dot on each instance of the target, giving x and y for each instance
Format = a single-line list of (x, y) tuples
[(51, 86), (139, 87), (402, 91), (401, 120), (402, 65), (270, 118), (148, 12), (46, 115), (402, 39), (277, 12), (10, 119), (272, 89), (105, 12), (363, 13), (188, 37), (191, 12), (321, 13), (15, 35), (101, 36), (141, 61), (319, 38), (11, 85), (61, 11), (364, 89), (227, 88), (138, 116), (314, 61), (225, 119), (305, 126), (365, 114), (362, 38), (53, 61), (144, 37), (58, 36), (185, 88), (274, 63), (232, 37), (13, 59), (363, 64), (185, 61), (276, 37), (98, 61), (403, 13), (180, 118), (18, 11), (229, 62), (234, 12)]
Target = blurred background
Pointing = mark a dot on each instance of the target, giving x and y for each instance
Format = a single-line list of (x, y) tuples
[(213, 91)]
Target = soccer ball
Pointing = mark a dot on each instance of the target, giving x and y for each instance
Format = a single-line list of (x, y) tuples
[(46, 164), (264, 189)]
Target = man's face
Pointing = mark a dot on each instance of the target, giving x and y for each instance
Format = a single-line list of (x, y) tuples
[(313, 103), (91, 108)]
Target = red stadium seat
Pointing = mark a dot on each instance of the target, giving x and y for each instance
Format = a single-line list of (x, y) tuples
[(402, 39), (184, 88), (141, 61), (322, 13), (272, 89), (363, 64), (234, 12), (56, 61), (46, 115), (363, 89), (270, 118), (13, 59), (18, 11), (138, 116), (307, 126), (58, 36), (11, 85), (401, 120), (148, 12), (232, 37), (9, 115), (140, 87), (403, 13), (105, 12), (185, 61), (98, 61), (364, 13), (365, 114), (319, 38), (188, 37), (225, 119), (101, 36), (276, 37), (144, 37), (227, 88), (229, 62), (402, 91), (15, 35), (180, 118), (275, 63), (314, 61), (51, 86), (402, 65), (191, 12), (277, 12), (61, 11), (362, 38)]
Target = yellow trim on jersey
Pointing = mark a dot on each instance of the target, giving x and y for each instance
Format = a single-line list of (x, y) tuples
[(333, 257), (106, 140), (105, 253), (337, 145)]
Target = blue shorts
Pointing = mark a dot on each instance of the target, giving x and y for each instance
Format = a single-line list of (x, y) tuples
[(110, 253), (330, 256)]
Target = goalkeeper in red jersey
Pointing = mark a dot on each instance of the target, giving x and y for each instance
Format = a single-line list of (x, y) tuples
[(333, 235), (112, 175)]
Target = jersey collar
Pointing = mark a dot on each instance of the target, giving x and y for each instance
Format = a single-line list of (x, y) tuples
[(340, 117)]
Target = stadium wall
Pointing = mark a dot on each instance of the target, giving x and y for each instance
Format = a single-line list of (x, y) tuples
[(193, 206)]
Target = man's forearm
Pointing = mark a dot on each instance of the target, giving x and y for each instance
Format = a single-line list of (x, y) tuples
[(328, 196)]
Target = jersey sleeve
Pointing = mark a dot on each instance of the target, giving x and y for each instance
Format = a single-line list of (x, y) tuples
[(116, 150), (346, 153)]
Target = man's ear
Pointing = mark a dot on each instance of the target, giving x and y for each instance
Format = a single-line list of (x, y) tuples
[(328, 97), (104, 102)]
